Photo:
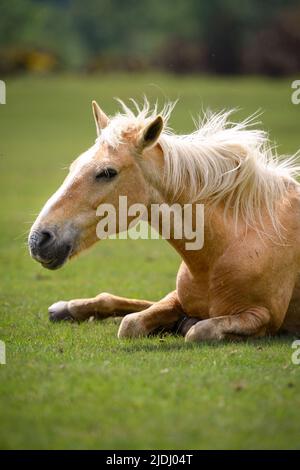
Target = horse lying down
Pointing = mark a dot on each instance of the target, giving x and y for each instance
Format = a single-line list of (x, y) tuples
[(243, 282)]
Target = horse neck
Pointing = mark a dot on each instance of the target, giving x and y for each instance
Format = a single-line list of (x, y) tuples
[(215, 232), (249, 198), (216, 236)]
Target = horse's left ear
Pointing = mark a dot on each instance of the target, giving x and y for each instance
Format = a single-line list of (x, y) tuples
[(101, 120), (150, 134)]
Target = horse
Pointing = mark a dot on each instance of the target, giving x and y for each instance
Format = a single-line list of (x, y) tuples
[(243, 282)]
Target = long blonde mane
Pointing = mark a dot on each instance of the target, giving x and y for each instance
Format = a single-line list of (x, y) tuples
[(220, 161)]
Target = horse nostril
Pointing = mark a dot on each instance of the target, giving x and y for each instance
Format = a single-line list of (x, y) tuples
[(45, 238)]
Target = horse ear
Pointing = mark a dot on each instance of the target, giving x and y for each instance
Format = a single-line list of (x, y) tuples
[(150, 134), (100, 117)]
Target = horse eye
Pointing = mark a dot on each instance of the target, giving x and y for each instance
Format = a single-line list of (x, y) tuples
[(106, 174)]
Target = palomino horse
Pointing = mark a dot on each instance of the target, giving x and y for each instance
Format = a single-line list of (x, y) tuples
[(244, 281)]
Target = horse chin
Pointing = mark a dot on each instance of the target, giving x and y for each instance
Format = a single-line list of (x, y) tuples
[(84, 245), (58, 261), (54, 264)]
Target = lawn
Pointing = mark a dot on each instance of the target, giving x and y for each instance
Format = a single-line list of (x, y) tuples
[(78, 386)]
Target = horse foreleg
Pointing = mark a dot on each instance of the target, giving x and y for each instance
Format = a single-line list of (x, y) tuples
[(164, 313), (251, 323), (102, 306)]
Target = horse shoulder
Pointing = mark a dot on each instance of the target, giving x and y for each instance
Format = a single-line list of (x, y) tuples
[(192, 291)]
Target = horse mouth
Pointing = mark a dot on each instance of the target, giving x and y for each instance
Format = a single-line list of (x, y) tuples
[(54, 264), (58, 261)]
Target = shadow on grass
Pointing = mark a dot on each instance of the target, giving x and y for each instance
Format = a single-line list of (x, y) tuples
[(160, 342), (176, 343)]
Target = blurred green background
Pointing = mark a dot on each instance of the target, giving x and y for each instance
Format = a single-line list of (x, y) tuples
[(178, 36), (77, 386)]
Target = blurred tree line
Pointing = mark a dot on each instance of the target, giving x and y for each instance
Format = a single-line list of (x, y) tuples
[(181, 36)]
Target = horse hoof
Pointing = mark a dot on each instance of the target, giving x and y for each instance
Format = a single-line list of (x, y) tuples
[(59, 311), (131, 327), (204, 330)]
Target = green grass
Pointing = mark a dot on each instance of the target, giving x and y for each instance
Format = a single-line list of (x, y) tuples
[(77, 386)]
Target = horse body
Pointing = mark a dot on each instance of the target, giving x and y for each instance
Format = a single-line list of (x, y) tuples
[(244, 281), (247, 272)]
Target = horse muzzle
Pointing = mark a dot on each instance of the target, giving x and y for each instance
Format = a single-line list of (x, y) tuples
[(50, 249)]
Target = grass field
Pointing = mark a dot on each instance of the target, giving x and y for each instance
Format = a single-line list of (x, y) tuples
[(77, 386)]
